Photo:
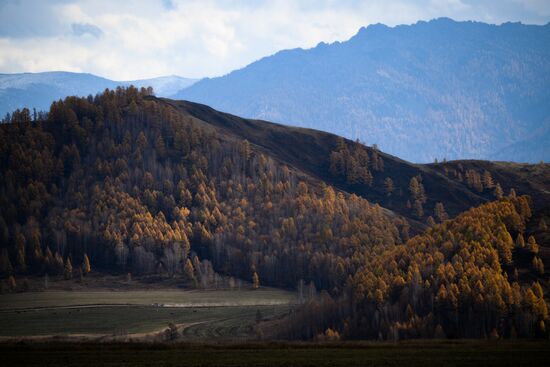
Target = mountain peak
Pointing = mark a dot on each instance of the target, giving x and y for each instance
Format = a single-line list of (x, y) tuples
[(434, 89)]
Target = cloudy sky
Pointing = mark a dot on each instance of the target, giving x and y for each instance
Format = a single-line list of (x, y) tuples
[(129, 40)]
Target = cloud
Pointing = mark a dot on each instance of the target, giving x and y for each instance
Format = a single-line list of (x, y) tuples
[(199, 38), (82, 29)]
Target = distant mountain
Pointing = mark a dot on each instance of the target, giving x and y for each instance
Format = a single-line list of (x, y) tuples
[(38, 90), (164, 86), (438, 89)]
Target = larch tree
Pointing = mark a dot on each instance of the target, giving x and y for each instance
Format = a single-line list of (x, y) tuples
[(488, 180), (188, 270), (86, 267), (68, 272), (388, 185), (255, 280), (532, 245), (440, 213), (498, 192)]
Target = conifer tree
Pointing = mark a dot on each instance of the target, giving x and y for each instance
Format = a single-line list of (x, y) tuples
[(440, 213), (86, 267), (68, 269), (255, 281), (532, 245), (388, 185), (188, 270), (498, 192), (12, 285)]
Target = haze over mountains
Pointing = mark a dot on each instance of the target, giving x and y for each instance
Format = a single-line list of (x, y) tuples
[(438, 89), (39, 90)]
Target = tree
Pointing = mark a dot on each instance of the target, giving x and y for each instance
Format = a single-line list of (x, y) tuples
[(488, 180), (20, 243), (538, 265), (86, 267), (68, 269), (141, 142), (255, 281), (498, 192), (418, 209), (12, 285), (532, 245), (439, 212), (5, 264), (439, 333), (160, 147), (520, 241), (414, 188), (188, 270), (388, 184), (245, 150)]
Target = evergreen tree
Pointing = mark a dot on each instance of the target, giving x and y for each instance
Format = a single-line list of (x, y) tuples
[(388, 185), (439, 212), (68, 269), (86, 267), (255, 281), (498, 192)]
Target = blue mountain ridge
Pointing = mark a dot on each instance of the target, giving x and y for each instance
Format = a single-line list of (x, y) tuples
[(437, 89)]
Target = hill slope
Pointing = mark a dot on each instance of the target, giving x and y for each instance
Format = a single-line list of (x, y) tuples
[(430, 90), (310, 150)]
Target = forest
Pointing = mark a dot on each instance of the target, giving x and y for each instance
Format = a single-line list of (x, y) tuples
[(126, 183)]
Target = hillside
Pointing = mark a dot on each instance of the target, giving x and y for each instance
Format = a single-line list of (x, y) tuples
[(127, 183), (39, 90), (438, 89), (310, 150)]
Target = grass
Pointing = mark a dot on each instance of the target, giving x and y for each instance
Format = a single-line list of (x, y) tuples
[(266, 296), (216, 322), (217, 315), (410, 354)]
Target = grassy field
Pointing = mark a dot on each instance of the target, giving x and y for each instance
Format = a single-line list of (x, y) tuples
[(218, 315), (202, 322), (411, 354), (193, 298)]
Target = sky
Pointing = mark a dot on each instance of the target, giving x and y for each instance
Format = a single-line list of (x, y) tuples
[(125, 40)]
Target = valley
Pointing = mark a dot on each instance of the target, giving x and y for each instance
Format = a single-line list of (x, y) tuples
[(124, 186)]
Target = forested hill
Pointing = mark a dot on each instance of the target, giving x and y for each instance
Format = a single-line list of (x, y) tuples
[(380, 177), (438, 89), (39, 90), (124, 182)]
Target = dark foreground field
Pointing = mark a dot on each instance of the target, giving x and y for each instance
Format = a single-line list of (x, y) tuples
[(409, 354)]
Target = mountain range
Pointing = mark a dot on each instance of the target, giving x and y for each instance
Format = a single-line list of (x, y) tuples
[(39, 90), (432, 90), (437, 89)]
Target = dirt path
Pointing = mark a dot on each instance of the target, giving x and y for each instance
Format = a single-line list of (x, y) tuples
[(155, 335)]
